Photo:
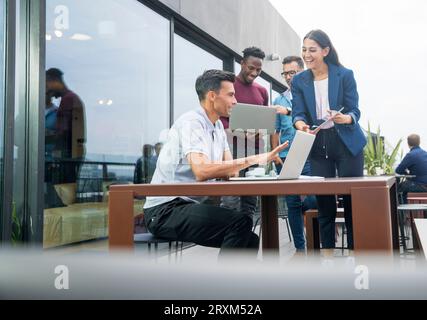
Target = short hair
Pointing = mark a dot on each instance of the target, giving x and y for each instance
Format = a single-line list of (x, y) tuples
[(414, 140), (290, 59), (211, 80), (54, 74), (253, 52)]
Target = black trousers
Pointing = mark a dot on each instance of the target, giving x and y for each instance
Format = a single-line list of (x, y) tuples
[(330, 158), (407, 186), (202, 224)]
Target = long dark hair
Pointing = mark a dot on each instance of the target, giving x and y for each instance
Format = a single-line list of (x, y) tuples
[(324, 41)]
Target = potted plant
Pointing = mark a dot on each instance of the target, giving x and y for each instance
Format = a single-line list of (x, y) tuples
[(377, 160)]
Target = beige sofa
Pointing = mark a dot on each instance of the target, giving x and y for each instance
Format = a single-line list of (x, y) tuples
[(77, 221)]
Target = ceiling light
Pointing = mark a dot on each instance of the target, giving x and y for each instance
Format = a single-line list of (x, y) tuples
[(110, 102), (81, 37), (101, 102), (48, 37), (58, 33)]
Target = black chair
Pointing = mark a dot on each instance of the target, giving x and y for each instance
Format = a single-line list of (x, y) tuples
[(282, 212), (150, 240)]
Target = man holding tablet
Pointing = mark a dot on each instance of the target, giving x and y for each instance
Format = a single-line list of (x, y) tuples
[(249, 92)]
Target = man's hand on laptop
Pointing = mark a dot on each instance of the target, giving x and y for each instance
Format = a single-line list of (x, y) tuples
[(273, 155)]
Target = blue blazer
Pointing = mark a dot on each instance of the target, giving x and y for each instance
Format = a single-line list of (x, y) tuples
[(342, 93)]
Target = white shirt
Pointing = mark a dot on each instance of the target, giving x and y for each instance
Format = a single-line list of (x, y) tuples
[(193, 132), (321, 90)]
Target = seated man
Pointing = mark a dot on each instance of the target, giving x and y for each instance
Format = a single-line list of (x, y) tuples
[(197, 150), (414, 163)]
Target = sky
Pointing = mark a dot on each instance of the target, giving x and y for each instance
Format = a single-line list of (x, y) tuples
[(385, 44)]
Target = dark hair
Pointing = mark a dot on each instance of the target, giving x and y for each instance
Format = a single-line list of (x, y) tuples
[(253, 52), (54, 74), (290, 59), (324, 41), (211, 80), (414, 140)]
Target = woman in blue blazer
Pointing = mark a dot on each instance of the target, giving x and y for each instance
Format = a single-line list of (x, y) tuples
[(318, 94)]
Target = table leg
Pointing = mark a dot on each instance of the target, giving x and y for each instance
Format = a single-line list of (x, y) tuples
[(372, 221), (269, 223), (120, 226)]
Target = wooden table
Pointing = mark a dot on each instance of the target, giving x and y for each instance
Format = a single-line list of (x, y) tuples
[(373, 202)]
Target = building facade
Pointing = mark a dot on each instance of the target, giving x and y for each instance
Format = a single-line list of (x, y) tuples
[(127, 70)]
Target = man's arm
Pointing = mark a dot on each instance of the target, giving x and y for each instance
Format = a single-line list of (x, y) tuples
[(405, 164), (274, 140), (204, 169)]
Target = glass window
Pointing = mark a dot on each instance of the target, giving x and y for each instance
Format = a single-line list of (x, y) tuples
[(237, 67), (266, 84), (2, 92), (107, 108), (190, 62), (274, 95)]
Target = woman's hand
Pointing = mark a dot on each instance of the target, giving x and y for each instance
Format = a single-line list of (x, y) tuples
[(340, 118)]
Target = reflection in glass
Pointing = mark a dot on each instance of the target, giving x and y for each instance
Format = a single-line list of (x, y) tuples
[(266, 84), (190, 62), (114, 57)]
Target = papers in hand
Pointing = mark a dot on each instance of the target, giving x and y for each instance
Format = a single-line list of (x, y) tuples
[(327, 123)]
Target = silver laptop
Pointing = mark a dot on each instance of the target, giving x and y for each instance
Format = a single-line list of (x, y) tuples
[(295, 160), (253, 117)]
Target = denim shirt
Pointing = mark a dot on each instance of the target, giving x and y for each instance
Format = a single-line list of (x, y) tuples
[(284, 125)]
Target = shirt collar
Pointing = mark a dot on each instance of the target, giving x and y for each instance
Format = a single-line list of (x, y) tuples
[(202, 112)]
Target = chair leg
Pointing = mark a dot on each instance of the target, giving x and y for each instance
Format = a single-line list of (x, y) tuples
[(255, 224), (342, 237), (402, 230), (289, 229), (170, 251), (411, 221)]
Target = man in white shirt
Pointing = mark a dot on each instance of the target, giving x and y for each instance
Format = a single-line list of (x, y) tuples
[(197, 150)]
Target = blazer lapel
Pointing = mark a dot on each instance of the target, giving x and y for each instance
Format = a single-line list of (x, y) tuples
[(334, 86), (309, 94)]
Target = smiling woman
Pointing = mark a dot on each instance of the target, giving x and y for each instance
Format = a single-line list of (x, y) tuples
[(326, 89)]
